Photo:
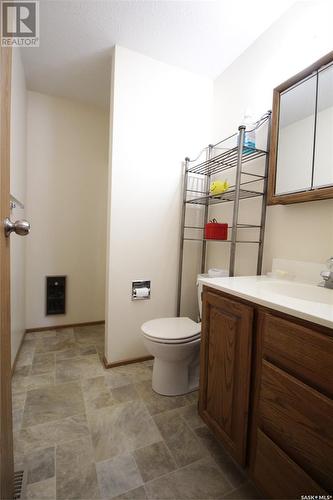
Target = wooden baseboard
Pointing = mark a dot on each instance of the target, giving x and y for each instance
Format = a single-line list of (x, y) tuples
[(58, 327), (125, 361)]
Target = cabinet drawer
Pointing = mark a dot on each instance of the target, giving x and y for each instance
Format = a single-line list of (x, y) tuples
[(299, 420), (277, 475), (303, 352)]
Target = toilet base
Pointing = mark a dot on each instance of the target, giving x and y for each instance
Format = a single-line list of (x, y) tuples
[(175, 379), (176, 365)]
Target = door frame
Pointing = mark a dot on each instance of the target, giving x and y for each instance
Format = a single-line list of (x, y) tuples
[(6, 430)]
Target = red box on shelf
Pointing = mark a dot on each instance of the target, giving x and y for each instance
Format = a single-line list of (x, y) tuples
[(216, 231)]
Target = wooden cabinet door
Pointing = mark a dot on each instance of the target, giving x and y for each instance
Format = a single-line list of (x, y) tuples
[(277, 475), (226, 339), (299, 420)]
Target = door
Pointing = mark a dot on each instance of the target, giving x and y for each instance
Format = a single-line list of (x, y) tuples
[(6, 435), (225, 365)]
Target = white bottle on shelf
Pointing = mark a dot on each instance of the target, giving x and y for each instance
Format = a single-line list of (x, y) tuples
[(250, 133)]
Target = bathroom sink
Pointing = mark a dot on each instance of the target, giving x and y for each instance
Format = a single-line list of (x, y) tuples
[(302, 291), (301, 299)]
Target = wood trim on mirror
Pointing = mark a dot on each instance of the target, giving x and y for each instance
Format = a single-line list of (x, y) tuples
[(297, 197)]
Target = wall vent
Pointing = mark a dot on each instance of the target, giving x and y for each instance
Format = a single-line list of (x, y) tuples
[(20, 482), (55, 295)]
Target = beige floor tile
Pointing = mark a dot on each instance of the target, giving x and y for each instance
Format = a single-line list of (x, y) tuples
[(156, 403), (40, 464), (18, 400), (115, 379), (19, 461), (96, 393), (53, 403), (88, 336), (28, 345), (191, 416), (54, 344), (52, 433), (193, 397), (90, 366), (118, 432), (136, 494), (118, 475), (154, 460), (24, 359), (78, 368), (86, 350), (43, 490), (120, 429), (69, 353), (65, 334), (180, 439), (66, 329), (245, 492), (43, 363), (17, 417), (20, 384), (22, 371), (67, 370), (125, 393), (200, 480), (235, 474), (76, 471), (135, 372), (19, 450), (40, 335)]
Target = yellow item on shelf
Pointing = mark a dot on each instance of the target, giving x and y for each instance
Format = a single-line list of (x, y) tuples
[(219, 187)]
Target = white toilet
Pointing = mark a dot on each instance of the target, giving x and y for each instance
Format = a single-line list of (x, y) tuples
[(175, 345)]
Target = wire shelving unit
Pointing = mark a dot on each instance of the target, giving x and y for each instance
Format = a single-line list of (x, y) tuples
[(236, 160)]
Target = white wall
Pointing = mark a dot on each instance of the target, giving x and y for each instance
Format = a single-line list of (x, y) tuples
[(159, 115), (17, 189), (67, 155), (303, 231)]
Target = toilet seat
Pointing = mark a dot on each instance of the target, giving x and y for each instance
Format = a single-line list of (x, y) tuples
[(172, 342), (171, 330)]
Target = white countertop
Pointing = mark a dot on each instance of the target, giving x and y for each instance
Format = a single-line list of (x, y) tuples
[(303, 300)]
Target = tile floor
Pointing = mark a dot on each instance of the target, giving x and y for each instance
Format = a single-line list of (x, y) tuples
[(84, 432)]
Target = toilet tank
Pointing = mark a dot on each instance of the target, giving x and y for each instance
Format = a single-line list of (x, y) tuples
[(212, 273)]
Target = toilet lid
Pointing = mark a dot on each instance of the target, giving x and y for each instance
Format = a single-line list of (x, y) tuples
[(171, 329)]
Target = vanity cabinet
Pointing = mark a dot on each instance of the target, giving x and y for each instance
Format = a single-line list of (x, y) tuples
[(293, 408), (226, 339), (283, 432)]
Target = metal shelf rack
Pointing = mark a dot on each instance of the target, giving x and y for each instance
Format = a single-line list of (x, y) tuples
[(219, 158)]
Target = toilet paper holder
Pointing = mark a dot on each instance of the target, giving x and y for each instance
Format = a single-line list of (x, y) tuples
[(143, 287)]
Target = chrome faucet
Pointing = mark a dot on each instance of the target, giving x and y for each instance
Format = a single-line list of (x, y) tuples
[(328, 275)]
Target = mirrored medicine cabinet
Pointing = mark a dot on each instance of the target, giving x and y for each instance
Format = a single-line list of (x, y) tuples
[(301, 157)]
